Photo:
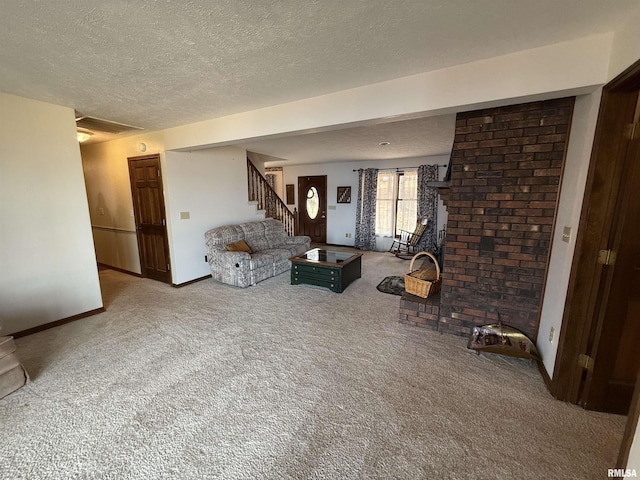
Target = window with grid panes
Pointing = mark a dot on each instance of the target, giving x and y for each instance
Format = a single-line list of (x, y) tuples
[(397, 202)]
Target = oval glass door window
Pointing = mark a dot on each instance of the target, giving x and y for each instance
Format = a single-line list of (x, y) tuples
[(313, 203)]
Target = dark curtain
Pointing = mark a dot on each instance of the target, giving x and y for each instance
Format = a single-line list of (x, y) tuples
[(366, 211), (428, 206)]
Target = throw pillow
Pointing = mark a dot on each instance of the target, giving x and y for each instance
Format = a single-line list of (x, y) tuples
[(239, 246)]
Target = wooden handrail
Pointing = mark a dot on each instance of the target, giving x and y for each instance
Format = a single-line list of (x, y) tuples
[(268, 200)]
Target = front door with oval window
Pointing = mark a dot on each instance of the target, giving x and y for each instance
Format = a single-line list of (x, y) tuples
[(312, 205)]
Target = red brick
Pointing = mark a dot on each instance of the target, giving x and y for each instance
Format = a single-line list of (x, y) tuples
[(540, 130), (485, 204), (476, 152), (467, 145), (513, 204), (477, 224), (508, 248), (502, 198), (466, 238), (467, 251), (499, 196), (479, 136), (547, 172), (499, 142), (536, 212), (512, 219), (510, 134), (474, 167), (542, 147), (522, 256), (451, 244), (479, 120), (552, 138), (524, 124), (468, 129), (508, 117), (521, 140), (506, 262), (506, 150), (555, 120), (498, 226)]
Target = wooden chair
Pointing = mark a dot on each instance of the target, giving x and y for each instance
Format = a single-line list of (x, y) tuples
[(406, 246)]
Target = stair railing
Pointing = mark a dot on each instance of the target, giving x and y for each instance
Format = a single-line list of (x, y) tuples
[(268, 200)]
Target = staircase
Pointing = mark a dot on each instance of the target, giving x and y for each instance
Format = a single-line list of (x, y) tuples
[(268, 200)]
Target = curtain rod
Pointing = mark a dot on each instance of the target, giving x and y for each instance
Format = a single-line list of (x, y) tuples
[(402, 168)]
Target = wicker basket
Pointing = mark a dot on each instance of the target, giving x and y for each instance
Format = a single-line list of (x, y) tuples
[(415, 282)]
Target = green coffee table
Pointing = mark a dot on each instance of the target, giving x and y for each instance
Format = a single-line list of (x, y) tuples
[(325, 268)]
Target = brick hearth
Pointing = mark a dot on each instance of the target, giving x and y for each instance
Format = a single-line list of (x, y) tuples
[(420, 312)]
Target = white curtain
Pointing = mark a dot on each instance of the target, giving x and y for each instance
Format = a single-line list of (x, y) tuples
[(407, 212), (396, 204), (385, 203)]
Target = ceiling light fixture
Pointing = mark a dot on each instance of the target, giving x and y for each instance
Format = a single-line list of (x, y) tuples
[(384, 144), (83, 136)]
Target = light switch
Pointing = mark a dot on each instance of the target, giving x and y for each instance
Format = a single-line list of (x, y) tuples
[(566, 234), (184, 216)]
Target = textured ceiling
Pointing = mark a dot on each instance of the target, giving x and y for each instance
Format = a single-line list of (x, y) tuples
[(164, 63), (409, 138)]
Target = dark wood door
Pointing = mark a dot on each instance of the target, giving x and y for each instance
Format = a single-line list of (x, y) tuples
[(312, 207), (593, 364), (609, 385), (149, 212)]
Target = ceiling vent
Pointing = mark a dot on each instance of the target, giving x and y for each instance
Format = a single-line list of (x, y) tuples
[(99, 125)]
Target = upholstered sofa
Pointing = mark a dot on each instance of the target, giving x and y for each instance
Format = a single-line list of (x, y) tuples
[(270, 250)]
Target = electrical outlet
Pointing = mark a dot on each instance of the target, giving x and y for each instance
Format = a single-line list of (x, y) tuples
[(552, 332), (347, 235)]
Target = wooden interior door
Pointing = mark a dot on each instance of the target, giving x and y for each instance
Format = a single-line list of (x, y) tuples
[(610, 383), (595, 361), (312, 207), (150, 218)]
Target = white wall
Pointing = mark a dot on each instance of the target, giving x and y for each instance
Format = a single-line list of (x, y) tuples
[(626, 45), (633, 461), (106, 174), (553, 71), (585, 116), (211, 186), (341, 217), (47, 260)]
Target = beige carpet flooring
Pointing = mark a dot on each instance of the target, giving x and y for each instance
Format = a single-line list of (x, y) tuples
[(283, 382)]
